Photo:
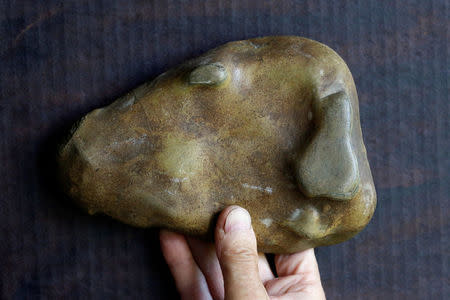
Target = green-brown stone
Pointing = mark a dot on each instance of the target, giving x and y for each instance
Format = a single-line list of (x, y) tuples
[(270, 124)]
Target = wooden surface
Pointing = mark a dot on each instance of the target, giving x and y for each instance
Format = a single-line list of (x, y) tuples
[(61, 59)]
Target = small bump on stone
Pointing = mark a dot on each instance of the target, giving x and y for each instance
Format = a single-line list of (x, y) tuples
[(210, 74), (267, 222)]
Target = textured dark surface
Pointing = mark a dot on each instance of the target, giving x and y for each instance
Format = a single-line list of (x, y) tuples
[(59, 60)]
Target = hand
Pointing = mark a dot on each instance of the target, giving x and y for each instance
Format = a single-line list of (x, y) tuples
[(232, 268)]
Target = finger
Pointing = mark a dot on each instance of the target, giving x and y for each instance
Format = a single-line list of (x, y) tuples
[(298, 263), (293, 287), (205, 256), (298, 275), (237, 253), (265, 273), (190, 282)]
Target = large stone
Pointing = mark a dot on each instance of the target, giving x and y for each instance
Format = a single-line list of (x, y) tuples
[(270, 124)]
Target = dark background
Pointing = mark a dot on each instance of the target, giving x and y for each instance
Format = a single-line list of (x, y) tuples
[(59, 60)]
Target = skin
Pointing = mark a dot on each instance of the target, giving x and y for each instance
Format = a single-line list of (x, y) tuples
[(233, 269)]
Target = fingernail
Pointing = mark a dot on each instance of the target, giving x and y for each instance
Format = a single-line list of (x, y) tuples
[(237, 219)]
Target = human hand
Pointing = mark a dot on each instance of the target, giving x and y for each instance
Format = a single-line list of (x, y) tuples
[(232, 268)]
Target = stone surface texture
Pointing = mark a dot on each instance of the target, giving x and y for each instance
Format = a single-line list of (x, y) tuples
[(270, 124)]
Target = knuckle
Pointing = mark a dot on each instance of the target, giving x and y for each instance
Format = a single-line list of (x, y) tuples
[(239, 254)]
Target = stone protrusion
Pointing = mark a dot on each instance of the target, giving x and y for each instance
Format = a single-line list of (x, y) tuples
[(328, 166)]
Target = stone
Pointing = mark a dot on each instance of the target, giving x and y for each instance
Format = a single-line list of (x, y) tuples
[(270, 124)]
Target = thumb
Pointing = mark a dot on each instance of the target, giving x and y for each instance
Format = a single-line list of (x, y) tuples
[(238, 256)]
